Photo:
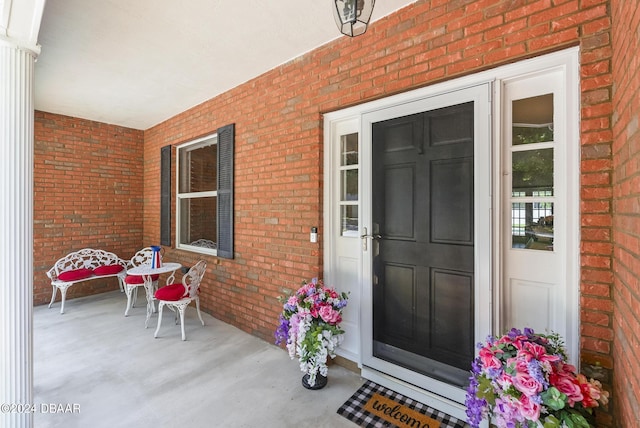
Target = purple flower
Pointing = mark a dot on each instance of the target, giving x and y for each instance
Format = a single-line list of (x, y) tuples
[(536, 372), (476, 407), (282, 332), (494, 373), (476, 367), (341, 304), (514, 333), (490, 339)]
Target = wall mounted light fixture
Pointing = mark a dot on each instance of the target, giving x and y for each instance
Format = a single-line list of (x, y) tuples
[(352, 16)]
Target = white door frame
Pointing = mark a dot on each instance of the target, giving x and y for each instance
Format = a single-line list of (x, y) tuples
[(480, 96), (488, 207)]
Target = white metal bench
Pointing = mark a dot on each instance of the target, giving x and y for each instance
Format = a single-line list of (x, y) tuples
[(84, 265)]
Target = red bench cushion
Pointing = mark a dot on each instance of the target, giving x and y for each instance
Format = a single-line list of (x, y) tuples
[(75, 275), (171, 292), (108, 270), (138, 279)]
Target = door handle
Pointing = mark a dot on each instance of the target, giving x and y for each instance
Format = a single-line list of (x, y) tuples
[(376, 236), (364, 237)]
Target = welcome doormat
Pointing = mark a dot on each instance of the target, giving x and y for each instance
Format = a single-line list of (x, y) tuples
[(374, 406)]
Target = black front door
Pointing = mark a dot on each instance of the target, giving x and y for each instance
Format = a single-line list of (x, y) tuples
[(422, 210)]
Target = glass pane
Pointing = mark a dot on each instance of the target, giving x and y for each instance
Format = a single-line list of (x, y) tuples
[(532, 172), (533, 120), (450, 125), (349, 185), (349, 220), (198, 169), (532, 225), (349, 150), (198, 222)]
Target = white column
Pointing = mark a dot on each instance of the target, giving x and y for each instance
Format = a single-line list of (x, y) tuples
[(16, 232)]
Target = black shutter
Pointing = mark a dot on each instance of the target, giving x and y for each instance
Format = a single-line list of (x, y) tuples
[(165, 195), (226, 137)]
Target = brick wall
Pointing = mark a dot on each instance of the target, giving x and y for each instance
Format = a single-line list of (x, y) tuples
[(88, 192), (279, 133), (626, 208), (279, 152)]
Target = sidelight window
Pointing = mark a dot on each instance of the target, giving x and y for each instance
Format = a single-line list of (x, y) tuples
[(532, 183), (349, 170)]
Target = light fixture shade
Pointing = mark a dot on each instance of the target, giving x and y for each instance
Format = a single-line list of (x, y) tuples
[(352, 16)]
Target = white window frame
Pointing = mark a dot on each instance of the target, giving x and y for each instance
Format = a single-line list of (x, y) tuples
[(211, 139)]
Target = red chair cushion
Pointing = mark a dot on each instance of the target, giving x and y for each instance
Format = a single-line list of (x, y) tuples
[(171, 292), (75, 275), (138, 279), (107, 270)]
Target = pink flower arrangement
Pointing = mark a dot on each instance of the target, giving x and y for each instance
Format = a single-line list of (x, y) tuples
[(310, 326), (523, 380)]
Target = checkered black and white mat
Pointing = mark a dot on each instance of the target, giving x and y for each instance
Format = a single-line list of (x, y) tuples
[(353, 408)]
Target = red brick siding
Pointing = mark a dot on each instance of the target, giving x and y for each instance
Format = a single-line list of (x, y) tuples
[(279, 151), (88, 182), (278, 180), (626, 208)]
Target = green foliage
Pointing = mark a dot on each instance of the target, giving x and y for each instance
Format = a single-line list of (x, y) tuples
[(526, 135), (486, 390), (553, 398), (551, 422)]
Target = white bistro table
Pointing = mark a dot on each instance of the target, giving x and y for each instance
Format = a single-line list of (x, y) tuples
[(146, 271)]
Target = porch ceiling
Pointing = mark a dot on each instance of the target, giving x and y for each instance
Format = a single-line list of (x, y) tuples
[(138, 63)]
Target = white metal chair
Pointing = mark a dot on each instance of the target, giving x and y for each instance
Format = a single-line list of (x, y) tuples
[(178, 296), (132, 282)]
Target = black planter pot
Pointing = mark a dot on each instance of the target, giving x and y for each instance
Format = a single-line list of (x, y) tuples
[(321, 382)]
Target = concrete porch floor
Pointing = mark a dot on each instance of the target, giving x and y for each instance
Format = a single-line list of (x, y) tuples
[(118, 375)]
